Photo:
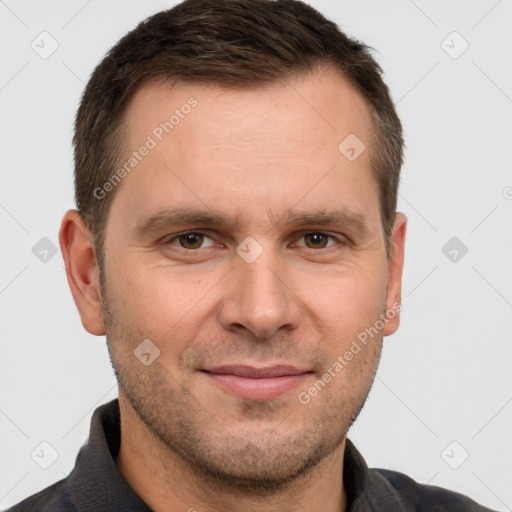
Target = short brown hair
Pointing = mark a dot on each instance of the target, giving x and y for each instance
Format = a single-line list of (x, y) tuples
[(235, 43)]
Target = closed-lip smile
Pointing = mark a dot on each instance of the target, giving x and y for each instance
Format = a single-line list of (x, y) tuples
[(256, 383)]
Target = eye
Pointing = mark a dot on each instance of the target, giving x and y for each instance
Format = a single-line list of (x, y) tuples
[(317, 240), (191, 240)]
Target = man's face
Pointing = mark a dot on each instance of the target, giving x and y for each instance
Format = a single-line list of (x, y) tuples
[(244, 335)]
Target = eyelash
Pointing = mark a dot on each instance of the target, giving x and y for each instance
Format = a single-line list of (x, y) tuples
[(169, 241)]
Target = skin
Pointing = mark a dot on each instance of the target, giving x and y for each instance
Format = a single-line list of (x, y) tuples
[(255, 156)]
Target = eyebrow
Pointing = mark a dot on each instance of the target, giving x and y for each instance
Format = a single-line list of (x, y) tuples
[(173, 216), (199, 217)]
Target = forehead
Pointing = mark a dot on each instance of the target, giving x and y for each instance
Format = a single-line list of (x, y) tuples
[(325, 99), (268, 147)]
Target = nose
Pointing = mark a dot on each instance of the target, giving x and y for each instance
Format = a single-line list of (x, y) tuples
[(259, 297)]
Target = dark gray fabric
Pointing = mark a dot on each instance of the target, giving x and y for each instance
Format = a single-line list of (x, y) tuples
[(95, 483)]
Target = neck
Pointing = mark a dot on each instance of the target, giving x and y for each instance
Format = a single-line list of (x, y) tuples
[(150, 468)]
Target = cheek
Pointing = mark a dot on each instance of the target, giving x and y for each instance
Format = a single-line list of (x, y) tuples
[(160, 301), (348, 313), (347, 302)]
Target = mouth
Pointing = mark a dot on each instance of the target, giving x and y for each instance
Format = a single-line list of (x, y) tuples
[(251, 383)]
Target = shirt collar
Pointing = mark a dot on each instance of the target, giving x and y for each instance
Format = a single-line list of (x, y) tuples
[(367, 489), (96, 483)]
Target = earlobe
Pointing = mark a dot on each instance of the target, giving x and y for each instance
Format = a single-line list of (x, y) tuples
[(395, 269), (77, 250)]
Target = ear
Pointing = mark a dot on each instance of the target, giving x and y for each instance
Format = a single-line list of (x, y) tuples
[(82, 273), (395, 268)]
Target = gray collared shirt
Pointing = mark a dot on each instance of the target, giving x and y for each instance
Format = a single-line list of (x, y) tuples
[(95, 484)]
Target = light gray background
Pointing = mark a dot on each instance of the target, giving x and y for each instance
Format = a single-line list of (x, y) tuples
[(445, 376)]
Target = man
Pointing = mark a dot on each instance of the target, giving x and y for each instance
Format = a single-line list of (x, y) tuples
[(236, 239)]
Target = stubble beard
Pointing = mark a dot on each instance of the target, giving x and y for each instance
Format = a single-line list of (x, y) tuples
[(246, 460)]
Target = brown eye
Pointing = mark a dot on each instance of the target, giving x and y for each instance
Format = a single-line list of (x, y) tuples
[(191, 240), (316, 240)]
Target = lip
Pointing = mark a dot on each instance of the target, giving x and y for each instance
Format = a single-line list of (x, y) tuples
[(251, 383)]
